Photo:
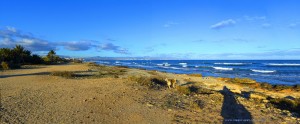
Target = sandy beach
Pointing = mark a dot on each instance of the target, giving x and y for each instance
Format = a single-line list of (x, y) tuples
[(33, 95)]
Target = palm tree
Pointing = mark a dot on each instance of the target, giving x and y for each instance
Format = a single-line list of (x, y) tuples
[(19, 54), (51, 55), (5, 54)]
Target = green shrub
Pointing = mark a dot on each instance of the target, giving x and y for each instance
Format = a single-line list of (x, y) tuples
[(183, 90), (65, 74), (153, 82), (5, 66)]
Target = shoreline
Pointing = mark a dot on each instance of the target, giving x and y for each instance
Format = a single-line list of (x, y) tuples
[(273, 72), (92, 93), (141, 68)]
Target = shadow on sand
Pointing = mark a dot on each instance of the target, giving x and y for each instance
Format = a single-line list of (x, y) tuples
[(232, 111), (14, 75)]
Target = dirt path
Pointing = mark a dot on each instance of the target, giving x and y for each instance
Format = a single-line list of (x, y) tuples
[(32, 96)]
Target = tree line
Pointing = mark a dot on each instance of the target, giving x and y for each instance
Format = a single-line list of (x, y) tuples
[(17, 56)]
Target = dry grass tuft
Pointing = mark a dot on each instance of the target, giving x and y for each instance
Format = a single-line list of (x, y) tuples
[(196, 75), (65, 74), (153, 82)]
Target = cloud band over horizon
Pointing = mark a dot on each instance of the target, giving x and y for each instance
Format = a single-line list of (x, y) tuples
[(10, 36)]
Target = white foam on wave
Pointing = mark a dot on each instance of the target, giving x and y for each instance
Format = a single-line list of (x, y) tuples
[(222, 68), (167, 67), (231, 63), (263, 71), (182, 63), (283, 64)]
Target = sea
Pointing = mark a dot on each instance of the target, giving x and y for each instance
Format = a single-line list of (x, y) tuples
[(283, 72)]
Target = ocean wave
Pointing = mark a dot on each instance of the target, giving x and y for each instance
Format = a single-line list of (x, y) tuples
[(167, 67), (263, 71), (182, 63), (283, 64), (164, 64), (222, 68), (232, 63)]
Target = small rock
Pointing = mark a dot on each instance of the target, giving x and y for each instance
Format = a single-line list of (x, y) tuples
[(169, 110), (273, 117), (286, 112), (262, 105), (265, 101), (294, 114), (150, 105)]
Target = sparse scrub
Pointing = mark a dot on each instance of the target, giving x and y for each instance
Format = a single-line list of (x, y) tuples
[(5, 66), (196, 75), (91, 64), (65, 74), (296, 87), (153, 72), (183, 90), (196, 105), (153, 82), (241, 81), (188, 90), (266, 86), (174, 101), (108, 71), (287, 104)]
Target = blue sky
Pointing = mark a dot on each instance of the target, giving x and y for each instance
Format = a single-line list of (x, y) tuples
[(175, 29)]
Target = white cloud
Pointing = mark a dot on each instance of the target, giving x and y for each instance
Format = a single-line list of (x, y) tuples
[(223, 24), (112, 47), (254, 18), (10, 36), (266, 25), (170, 24), (294, 25), (12, 29)]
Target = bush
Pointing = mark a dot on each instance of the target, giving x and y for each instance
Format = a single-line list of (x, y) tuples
[(196, 75), (296, 87), (246, 81), (196, 105), (5, 66), (287, 104), (266, 86), (65, 74), (183, 90), (154, 82)]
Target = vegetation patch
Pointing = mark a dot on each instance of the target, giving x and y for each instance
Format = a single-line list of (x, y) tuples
[(176, 101), (5, 66), (196, 105), (153, 82), (188, 90), (196, 75), (292, 105), (241, 81), (65, 74)]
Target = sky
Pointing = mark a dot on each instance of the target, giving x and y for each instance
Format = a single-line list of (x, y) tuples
[(174, 29)]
